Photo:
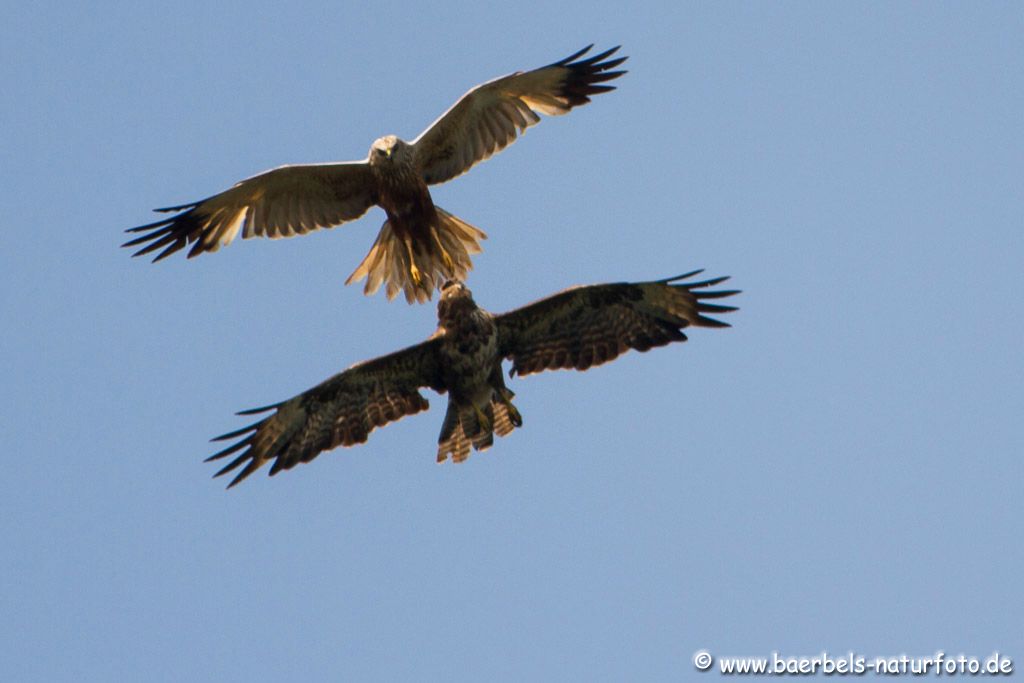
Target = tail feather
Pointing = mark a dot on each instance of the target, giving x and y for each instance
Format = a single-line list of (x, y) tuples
[(461, 429), (390, 263), (502, 424)]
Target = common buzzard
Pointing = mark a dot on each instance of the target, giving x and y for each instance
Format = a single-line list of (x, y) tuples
[(420, 245), (577, 328)]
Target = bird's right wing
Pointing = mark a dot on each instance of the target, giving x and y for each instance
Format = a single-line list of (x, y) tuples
[(341, 411), (586, 326), (282, 202)]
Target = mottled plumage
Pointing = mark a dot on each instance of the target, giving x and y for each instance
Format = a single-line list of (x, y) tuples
[(577, 328), (420, 246)]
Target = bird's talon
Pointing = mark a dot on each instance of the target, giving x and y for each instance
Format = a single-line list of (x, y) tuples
[(513, 415)]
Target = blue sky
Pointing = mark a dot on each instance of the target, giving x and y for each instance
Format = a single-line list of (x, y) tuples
[(839, 471)]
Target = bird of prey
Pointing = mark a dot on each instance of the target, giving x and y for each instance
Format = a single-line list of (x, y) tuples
[(420, 245), (578, 328)]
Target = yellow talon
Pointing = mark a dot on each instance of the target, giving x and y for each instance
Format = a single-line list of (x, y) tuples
[(415, 273)]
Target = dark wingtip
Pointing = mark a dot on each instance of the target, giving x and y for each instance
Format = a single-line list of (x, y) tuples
[(696, 285), (574, 55), (696, 289), (720, 294), (707, 283), (135, 241), (183, 207), (233, 448), (237, 432), (612, 63), (165, 253), (249, 469), (161, 236), (235, 463), (594, 59), (170, 234), (676, 278), (256, 411), (149, 226), (715, 308)]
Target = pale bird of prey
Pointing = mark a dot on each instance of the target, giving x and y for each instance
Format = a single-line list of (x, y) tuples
[(578, 328), (420, 246)]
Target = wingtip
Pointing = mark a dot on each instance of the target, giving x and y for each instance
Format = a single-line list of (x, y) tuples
[(164, 254), (720, 294), (239, 432), (709, 283), (607, 53), (676, 278), (170, 209), (246, 471), (573, 56), (256, 411)]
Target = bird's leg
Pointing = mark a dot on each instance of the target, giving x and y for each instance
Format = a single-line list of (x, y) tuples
[(513, 413), (482, 421), (444, 254), (413, 270)]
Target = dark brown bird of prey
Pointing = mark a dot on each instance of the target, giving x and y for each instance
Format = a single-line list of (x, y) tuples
[(420, 245), (577, 328)]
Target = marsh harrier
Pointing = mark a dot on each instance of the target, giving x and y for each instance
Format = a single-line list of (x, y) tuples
[(420, 245)]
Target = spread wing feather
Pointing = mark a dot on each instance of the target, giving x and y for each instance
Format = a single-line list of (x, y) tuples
[(586, 326), (490, 116), (342, 411), (282, 202)]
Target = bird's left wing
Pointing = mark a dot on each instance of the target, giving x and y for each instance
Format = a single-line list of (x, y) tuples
[(341, 411), (586, 326), (490, 116)]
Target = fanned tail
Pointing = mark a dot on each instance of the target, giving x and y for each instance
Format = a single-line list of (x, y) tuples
[(419, 266), (462, 428)]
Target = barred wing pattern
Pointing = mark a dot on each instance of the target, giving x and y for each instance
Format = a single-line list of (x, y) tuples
[(342, 411), (489, 117), (282, 202), (587, 326)]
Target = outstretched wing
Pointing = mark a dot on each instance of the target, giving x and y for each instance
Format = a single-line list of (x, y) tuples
[(341, 411), (282, 202), (490, 116), (586, 326)]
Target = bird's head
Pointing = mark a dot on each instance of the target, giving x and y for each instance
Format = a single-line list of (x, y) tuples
[(456, 299), (388, 149)]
